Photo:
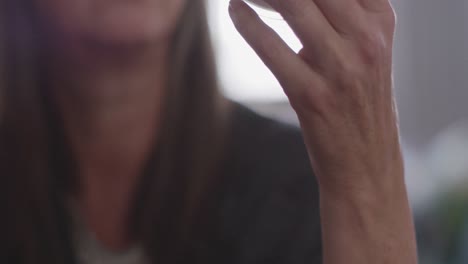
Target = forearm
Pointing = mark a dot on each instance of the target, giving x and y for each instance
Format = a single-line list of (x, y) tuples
[(368, 226)]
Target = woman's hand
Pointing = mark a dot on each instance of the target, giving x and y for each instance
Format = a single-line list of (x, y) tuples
[(340, 85)]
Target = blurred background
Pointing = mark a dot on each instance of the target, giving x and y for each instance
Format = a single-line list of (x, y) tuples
[(431, 81)]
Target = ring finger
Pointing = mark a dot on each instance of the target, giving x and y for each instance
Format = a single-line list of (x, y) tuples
[(321, 41)]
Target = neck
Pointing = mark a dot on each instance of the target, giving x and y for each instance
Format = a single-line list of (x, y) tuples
[(111, 108), (111, 104)]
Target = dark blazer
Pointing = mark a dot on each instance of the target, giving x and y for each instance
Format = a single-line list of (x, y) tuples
[(268, 212), (271, 203)]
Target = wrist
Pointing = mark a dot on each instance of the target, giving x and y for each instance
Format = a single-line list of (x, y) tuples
[(356, 221), (379, 189), (364, 180)]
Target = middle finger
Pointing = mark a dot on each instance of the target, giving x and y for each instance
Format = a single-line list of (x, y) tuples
[(310, 25), (346, 16)]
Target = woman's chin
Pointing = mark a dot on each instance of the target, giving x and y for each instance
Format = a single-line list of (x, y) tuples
[(125, 37), (123, 32)]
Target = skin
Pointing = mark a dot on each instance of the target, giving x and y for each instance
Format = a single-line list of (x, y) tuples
[(340, 85), (108, 82)]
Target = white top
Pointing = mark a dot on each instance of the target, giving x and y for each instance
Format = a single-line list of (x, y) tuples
[(90, 251)]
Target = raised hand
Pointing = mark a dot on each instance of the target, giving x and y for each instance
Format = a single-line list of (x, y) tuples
[(340, 85)]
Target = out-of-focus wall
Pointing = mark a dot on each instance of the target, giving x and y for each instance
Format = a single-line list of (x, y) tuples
[(431, 66)]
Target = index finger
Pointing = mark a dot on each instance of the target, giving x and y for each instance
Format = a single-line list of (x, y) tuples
[(316, 33), (293, 73)]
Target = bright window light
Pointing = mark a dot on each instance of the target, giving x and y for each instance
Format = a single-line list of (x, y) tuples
[(243, 75)]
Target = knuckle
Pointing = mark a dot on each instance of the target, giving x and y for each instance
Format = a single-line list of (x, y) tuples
[(292, 8), (391, 17), (316, 99), (372, 48), (390, 21), (348, 72), (376, 6)]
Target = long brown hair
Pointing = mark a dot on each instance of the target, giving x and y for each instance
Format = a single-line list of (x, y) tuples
[(36, 169)]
